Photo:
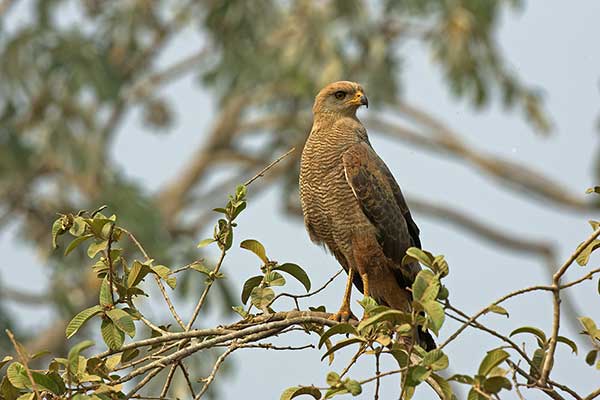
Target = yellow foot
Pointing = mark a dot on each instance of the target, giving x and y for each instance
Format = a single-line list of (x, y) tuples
[(343, 315)]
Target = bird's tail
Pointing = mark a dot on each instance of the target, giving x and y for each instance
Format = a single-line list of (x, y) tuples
[(425, 339)]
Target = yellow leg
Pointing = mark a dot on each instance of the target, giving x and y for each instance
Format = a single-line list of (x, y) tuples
[(365, 281), (345, 313)]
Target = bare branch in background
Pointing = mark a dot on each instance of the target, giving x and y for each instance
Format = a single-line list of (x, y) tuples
[(521, 178), (150, 83)]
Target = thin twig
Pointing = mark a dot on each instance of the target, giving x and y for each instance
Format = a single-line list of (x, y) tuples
[(157, 279), (270, 346), (377, 372), (353, 360), (486, 309), (587, 276), (210, 378), (23, 359), (204, 295), (300, 296), (490, 331), (549, 359), (593, 395), (109, 260), (167, 384), (144, 381), (150, 325), (548, 391), (268, 167), (186, 376), (516, 384)]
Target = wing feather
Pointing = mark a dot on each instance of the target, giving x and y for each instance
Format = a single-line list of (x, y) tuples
[(381, 200)]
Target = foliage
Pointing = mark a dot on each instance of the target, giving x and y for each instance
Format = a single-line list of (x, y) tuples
[(382, 332)]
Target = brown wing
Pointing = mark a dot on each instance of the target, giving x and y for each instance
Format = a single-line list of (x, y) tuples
[(381, 200)]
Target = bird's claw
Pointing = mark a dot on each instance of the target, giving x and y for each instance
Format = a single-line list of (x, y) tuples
[(343, 315)]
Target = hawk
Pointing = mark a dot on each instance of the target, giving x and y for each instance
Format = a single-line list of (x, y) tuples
[(353, 205)]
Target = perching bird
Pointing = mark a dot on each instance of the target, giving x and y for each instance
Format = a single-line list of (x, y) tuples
[(352, 204)]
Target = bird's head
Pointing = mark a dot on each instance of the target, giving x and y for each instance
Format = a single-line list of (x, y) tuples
[(342, 98)]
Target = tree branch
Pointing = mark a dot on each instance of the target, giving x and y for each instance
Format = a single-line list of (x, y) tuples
[(549, 359), (520, 177)]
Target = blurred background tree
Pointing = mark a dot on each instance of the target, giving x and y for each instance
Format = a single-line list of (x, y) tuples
[(72, 73)]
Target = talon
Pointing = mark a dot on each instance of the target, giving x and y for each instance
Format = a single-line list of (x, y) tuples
[(343, 315)]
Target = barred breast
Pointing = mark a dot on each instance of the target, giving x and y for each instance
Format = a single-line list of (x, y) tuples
[(331, 212)]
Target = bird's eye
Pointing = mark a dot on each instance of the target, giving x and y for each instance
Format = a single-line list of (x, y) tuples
[(340, 95)]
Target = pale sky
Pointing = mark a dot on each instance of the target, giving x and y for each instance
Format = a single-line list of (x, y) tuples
[(552, 44)]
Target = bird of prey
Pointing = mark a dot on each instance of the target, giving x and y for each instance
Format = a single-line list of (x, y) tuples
[(353, 205)]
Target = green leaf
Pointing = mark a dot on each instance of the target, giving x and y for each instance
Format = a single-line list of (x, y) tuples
[(435, 312), (73, 357), (80, 319), (7, 390), (341, 344), (249, 285), (129, 355), (395, 316), (58, 229), (238, 209), (112, 361), (240, 311), (171, 282), (333, 378), (495, 384), (202, 269), (589, 326), (76, 242), (262, 297), (256, 247), (95, 248), (532, 330), (583, 257), (368, 303), (492, 360), (53, 383), (422, 256), (105, 293), (497, 310), (293, 392), (297, 272), (17, 376), (474, 395), (274, 279), (353, 387), (568, 342), (590, 358), (537, 361), (436, 360), (206, 242), (338, 329), (444, 385), (426, 286), (5, 361), (112, 335), (440, 265), (161, 270), (122, 320), (137, 273), (78, 227), (417, 374)]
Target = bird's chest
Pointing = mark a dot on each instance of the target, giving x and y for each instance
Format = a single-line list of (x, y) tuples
[(328, 202)]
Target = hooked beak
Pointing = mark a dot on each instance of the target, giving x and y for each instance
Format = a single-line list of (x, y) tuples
[(362, 100)]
